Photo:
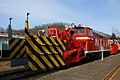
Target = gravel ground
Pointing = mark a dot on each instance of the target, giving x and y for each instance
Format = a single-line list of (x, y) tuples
[(96, 70), (5, 66)]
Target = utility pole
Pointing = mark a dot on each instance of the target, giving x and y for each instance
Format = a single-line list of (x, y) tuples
[(9, 29), (1, 48)]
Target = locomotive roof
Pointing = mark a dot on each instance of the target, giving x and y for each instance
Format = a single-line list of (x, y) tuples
[(101, 33), (97, 32), (81, 27)]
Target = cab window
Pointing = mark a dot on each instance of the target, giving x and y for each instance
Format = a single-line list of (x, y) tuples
[(90, 32), (80, 31)]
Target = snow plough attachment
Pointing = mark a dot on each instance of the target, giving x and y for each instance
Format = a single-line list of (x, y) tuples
[(39, 53), (17, 52)]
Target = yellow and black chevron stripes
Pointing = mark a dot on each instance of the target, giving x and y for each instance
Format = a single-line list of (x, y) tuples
[(48, 52), (43, 62), (42, 53), (44, 48), (17, 48), (45, 42), (26, 25)]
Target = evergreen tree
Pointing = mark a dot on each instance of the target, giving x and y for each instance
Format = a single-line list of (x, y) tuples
[(113, 36)]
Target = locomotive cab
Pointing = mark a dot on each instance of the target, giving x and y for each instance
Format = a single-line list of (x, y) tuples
[(84, 35)]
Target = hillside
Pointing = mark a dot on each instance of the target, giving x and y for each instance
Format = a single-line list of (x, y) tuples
[(34, 30)]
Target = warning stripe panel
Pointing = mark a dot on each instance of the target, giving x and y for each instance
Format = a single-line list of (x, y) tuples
[(59, 50), (60, 59), (62, 47), (39, 57), (39, 63), (31, 66), (39, 41), (26, 33), (12, 43), (61, 44), (53, 50), (28, 41), (20, 48), (21, 52), (46, 60), (54, 61), (17, 49), (49, 57), (46, 40), (43, 53), (45, 48), (53, 41)]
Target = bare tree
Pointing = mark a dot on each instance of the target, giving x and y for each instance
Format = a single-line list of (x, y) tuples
[(2, 29)]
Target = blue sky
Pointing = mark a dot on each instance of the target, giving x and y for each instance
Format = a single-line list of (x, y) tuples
[(100, 15)]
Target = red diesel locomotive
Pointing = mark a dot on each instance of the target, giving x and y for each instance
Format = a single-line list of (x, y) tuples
[(82, 42)]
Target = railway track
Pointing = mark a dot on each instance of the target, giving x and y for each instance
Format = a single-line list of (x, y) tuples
[(4, 59), (112, 73), (22, 73), (18, 74)]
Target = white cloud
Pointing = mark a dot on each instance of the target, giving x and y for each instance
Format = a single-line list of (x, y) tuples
[(37, 8)]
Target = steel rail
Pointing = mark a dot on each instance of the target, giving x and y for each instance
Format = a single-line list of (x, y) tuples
[(112, 73)]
